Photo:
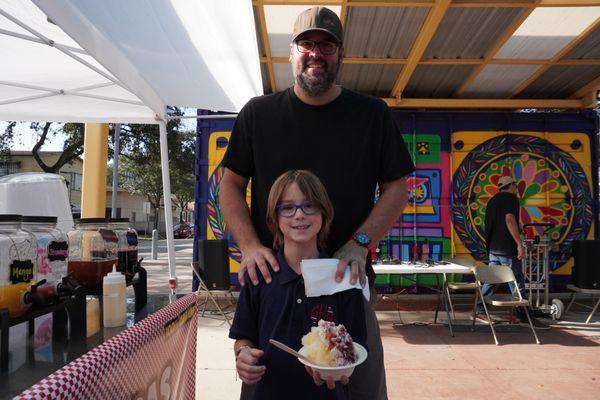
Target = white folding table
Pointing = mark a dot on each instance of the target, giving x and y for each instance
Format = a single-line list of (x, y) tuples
[(441, 268)]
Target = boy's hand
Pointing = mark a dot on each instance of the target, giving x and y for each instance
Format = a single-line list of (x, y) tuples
[(245, 363), (254, 257), (319, 381)]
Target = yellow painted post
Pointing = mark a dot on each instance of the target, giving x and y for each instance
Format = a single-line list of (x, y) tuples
[(95, 158)]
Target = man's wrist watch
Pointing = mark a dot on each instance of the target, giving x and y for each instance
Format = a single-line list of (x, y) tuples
[(362, 239)]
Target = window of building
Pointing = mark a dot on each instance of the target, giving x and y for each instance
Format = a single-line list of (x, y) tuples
[(9, 167)]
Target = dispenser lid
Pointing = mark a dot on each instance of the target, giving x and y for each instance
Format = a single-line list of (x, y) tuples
[(10, 218), (114, 276), (40, 219), (118, 220)]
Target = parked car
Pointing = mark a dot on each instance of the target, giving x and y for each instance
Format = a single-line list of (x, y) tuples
[(183, 230)]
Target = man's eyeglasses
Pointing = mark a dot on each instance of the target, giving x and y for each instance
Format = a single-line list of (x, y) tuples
[(327, 48), (289, 209)]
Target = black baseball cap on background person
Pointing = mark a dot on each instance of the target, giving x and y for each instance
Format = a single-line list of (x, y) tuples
[(319, 19)]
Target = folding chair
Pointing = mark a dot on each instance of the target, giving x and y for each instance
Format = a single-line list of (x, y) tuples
[(496, 275), (212, 295), (577, 290), (212, 272), (460, 286)]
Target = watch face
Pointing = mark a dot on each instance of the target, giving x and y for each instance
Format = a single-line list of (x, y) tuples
[(362, 238)]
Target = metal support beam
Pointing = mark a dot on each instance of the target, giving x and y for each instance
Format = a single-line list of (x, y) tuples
[(490, 55), (265, 37), (590, 87), (115, 182), (435, 16), (512, 104), (565, 50), (164, 162)]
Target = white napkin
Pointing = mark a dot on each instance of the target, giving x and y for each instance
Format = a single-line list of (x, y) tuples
[(319, 278)]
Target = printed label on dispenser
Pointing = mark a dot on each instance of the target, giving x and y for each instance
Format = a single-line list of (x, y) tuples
[(58, 251), (132, 239), (21, 271), (108, 235)]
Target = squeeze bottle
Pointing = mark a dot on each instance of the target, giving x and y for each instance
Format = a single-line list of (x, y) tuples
[(114, 308)]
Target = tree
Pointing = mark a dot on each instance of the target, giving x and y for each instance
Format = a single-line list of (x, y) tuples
[(140, 168), (72, 147), (142, 179), (182, 188)]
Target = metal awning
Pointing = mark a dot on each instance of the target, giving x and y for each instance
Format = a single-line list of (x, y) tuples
[(452, 53)]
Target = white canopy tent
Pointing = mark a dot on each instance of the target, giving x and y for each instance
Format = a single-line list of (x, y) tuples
[(125, 61)]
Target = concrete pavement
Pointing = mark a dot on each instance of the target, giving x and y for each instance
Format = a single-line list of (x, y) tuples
[(422, 360)]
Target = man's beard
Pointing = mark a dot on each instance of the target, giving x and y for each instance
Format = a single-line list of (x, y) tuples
[(319, 84)]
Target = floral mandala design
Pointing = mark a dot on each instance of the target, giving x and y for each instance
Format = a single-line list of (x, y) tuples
[(552, 189)]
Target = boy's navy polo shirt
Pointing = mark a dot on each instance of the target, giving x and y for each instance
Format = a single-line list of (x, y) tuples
[(280, 310)]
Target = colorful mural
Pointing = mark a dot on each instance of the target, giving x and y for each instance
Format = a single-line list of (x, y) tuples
[(457, 173), (215, 226), (553, 178)]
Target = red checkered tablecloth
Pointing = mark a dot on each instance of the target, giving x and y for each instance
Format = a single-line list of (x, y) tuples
[(154, 359)]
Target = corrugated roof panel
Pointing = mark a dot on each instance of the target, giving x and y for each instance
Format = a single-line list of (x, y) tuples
[(546, 31), (283, 76), (382, 31), (264, 74), (561, 81), (261, 45), (498, 81), (467, 32), (280, 23), (373, 79), (441, 81), (587, 48)]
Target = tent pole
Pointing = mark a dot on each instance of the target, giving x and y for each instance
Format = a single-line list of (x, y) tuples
[(164, 161), (115, 182)]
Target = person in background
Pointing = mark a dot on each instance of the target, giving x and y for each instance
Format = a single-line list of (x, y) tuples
[(349, 141), (503, 241), (299, 214)]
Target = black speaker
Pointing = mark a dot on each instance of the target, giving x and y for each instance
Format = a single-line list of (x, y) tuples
[(586, 268), (213, 257)]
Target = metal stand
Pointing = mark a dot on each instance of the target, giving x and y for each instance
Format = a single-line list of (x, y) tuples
[(536, 270), (72, 308)]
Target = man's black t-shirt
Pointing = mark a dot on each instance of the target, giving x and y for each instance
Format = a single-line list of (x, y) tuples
[(351, 144), (498, 238)]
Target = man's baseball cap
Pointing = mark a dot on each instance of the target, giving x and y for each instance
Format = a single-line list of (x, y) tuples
[(319, 19), (505, 181)]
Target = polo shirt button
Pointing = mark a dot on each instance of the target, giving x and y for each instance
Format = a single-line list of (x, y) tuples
[(299, 301)]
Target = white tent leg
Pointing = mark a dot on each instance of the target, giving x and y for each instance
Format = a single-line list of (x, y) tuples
[(164, 161)]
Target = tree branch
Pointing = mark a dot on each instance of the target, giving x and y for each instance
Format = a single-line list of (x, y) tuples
[(38, 146)]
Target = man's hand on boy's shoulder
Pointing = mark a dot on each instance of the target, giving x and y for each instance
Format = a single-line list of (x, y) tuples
[(356, 257), (257, 256)]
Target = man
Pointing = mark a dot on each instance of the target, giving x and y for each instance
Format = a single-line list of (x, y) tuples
[(348, 140), (503, 240)]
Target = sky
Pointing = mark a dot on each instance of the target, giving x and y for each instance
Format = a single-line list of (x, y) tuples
[(26, 138)]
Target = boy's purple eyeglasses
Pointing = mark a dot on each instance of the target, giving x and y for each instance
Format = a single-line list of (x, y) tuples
[(289, 209)]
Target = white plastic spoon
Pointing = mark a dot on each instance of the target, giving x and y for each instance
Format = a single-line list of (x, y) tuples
[(289, 350)]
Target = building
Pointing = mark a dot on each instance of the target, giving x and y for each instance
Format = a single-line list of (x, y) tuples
[(129, 205)]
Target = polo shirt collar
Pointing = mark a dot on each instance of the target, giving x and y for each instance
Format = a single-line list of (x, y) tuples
[(286, 273)]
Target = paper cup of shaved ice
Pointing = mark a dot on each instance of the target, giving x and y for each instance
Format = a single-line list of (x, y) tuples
[(331, 351)]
